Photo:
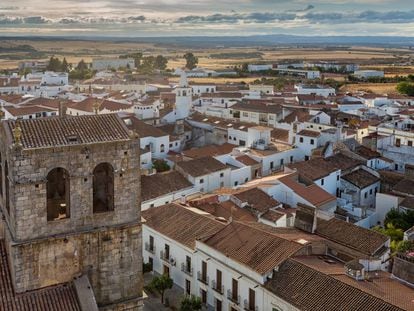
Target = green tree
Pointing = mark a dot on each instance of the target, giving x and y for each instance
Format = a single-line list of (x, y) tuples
[(400, 219), (190, 303), (395, 234), (54, 64), (147, 65), (64, 65), (160, 166), (191, 60), (161, 284), (82, 65), (160, 62), (405, 88)]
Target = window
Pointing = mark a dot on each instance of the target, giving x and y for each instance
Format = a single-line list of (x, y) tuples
[(222, 175), (246, 179), (187, 287), (322, 182), (151, 243), (218, 280), (203, 296), (312, 141), (203, 271), (151, 263), (219, 305), (201, 181), (221, 184), (245, 114), (272, 165), (236, 183), (103, 188), (337, 178), (162, 148), (281, 162), (291, 159), (188, 263), (365, 195), (234, 290), (410, 143), (301, 139), (370, 191), (166, 251), (398, 142), (57, 193), (252, 299)]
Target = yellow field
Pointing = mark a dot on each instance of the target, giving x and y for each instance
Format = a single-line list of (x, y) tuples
[(74, 51), (379, 88), (218, 80)]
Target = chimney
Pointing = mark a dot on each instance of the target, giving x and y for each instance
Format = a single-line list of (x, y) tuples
[(62, 109)]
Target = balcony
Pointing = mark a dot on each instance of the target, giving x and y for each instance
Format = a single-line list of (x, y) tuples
[(247, 306), (186, 269), (164, 256), (167, 258), (150, 248), (217, 287), (202, 278), (234, 298)]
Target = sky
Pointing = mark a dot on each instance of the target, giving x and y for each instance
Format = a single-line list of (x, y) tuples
[(140, 18)]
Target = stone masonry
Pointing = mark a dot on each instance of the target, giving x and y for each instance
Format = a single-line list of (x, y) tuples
[(105, 246)]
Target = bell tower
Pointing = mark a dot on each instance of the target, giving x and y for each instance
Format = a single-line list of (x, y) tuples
[(184, 97)]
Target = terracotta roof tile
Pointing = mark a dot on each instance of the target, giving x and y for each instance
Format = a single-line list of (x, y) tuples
[(309, 289), (309, 133), (246, 160), (161, 184), (55, 298), (311, 192), (259, 250), (256, 199), (201, 166), (210, 150), (361, 178), (364, 240), (55, 131), (180, 223)]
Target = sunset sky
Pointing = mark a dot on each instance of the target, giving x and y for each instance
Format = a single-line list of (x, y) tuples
[(208, 17)]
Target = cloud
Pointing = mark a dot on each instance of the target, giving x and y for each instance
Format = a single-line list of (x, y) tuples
[(255, 17)]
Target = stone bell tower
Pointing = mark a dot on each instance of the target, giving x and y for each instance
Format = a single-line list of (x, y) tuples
[(70, 196)]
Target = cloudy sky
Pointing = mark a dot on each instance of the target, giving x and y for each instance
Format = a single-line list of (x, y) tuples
[(206, 17)]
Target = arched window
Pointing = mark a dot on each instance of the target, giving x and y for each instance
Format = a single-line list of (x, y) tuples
[(162, 148), (103, 188), (58, 194)]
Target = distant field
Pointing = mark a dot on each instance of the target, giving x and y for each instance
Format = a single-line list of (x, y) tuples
[(380, 88), (219, 80), (215, 58)]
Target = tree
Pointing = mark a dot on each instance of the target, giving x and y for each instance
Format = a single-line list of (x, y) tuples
[(54, 64), (65, 65), (82, 65), (160, 62), (160, 166), (405, 88), (190, 303), (400, 219), (191, 60), (161, 284), (147, 65)]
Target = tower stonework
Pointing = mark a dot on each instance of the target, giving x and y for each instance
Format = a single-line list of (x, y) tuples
[(70, 196)]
